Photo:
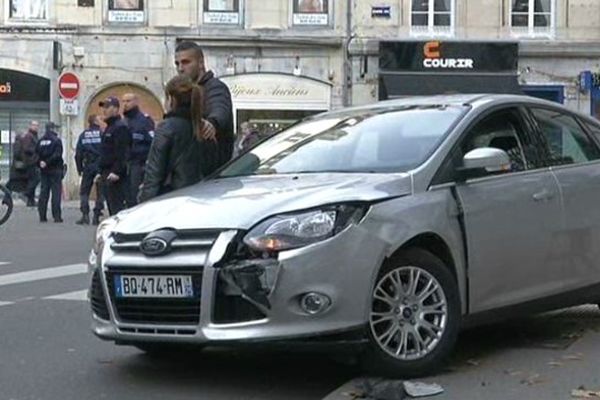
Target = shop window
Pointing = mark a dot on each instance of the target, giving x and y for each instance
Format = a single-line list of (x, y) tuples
[(28, 10), (226, 12), (311, 12), (126, 11), (532, 17), (432, 16)]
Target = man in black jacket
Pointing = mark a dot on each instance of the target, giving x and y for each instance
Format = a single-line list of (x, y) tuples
[(218, 113), (114, 152), (87, 159), (49, 150), (141, 127)]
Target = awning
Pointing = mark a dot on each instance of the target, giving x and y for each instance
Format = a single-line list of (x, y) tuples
[(393, 85)]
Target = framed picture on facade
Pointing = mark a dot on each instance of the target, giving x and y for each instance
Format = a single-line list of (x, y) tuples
[(127, 11), (28, 10), (222, 12), (310, 12)]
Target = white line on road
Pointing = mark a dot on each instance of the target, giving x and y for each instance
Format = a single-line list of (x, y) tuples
[(5, 303), (41, 274), (4, 263), (80, 295)]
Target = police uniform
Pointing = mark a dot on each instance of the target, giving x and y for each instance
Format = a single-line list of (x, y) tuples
[(87, 159), (141, 127), (114, 150), (49, 150)]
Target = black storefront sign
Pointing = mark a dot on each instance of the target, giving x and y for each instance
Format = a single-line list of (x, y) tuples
[(21, 86), (438, 67)]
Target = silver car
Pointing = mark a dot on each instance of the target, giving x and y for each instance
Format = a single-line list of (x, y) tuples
[(392, 225)]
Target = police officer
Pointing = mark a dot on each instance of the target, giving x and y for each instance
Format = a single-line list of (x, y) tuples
[(87, 159), (141, 127), (49, 150), (114, 150)]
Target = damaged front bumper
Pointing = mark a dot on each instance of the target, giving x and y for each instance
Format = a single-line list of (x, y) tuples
[(317, 290)]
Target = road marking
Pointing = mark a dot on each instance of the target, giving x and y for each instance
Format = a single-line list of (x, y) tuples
[(5, 303), (4, 263), (80, 295), (41, 274)]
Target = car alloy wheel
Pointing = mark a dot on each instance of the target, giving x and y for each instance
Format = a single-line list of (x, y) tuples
[(409, 313), (414, 316)]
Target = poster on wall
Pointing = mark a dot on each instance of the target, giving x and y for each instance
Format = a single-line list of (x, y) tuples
[(222, 12), (28, 10), (311, 12), (131, 11)]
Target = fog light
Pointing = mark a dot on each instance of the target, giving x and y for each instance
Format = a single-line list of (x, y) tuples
[(314, 303)]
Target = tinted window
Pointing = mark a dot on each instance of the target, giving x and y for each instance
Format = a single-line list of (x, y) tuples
[(594, 129), (380, 140), (567, 141), (502, 130)]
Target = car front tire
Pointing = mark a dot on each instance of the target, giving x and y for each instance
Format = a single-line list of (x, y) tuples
[(414, 317)]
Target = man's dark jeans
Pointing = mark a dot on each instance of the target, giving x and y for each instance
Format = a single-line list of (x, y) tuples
[(115, 193), (87, 182), (33, 179), (51, 182)]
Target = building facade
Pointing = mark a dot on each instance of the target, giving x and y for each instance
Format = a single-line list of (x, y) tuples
[(285, 59)]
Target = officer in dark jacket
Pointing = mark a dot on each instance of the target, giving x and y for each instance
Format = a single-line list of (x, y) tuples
[(49, 150), (218, 112), (114, 152), (87, 159), (141, 126)]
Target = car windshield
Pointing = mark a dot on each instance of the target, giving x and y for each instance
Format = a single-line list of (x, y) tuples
[(377, 140)]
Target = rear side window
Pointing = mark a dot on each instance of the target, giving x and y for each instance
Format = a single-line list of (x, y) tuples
[(567, 141), (594, 129)]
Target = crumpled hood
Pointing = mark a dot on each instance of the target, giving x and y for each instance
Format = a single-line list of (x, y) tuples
[(241, 202)]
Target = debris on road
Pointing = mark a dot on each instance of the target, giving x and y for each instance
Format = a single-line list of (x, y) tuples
[(532, 380), (582, 393), (421, 389), (381, 389)]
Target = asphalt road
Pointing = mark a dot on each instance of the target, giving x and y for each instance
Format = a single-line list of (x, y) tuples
[(47, 351)]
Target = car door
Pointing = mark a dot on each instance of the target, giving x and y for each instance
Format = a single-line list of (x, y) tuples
[(510, 219), (575, 162)]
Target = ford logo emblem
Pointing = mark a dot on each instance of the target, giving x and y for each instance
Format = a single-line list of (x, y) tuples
[(154, 246)]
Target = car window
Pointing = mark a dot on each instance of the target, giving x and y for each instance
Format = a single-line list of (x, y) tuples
[(567, 141), (385, 140), (503, 129), (594, 129)]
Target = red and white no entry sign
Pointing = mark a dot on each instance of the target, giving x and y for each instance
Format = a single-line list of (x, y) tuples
[(68, 86)]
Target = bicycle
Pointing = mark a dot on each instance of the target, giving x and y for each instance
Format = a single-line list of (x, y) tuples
[(6, 204)]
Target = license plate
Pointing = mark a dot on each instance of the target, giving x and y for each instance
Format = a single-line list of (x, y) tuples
[(164, 286)]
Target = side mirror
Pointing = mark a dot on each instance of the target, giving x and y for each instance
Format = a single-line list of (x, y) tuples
[(483, 161)]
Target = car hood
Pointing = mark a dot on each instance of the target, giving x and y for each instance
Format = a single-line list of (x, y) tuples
[(241, 202)]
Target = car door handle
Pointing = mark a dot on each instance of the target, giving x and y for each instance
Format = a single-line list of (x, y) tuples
[(544, 195)]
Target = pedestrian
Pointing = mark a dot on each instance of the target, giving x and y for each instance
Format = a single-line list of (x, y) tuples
[(180, 155), (218, 111), (141, 127), (25, 173), (114, 149), (49, 151), (87, 159), (247, 138)]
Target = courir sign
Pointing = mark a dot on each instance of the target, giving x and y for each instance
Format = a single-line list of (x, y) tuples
[(448, 56), (432, 58)]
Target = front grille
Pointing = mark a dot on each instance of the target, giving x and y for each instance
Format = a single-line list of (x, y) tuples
[(195, 240), (97, 299), (157, 310)]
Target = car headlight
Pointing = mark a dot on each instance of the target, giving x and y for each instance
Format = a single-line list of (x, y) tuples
[(290, 231), (103, 232)]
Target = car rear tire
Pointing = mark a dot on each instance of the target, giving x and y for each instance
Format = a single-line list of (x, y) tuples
[(414, 316)]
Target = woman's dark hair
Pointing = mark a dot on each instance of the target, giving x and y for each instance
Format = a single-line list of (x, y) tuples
[(185, 92)]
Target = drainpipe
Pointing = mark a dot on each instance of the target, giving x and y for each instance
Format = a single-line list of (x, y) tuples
[(347, 73)]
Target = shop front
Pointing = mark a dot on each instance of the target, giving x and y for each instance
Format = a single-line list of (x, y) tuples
[(23, 97), (270, 102), (446, 67)]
